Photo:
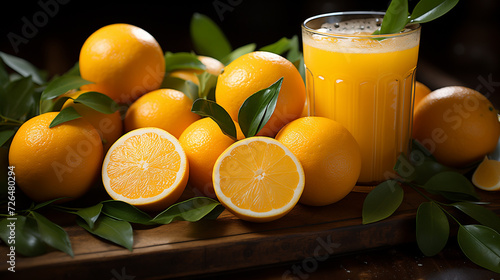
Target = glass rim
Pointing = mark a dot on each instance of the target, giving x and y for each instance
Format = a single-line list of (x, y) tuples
[(414, 26)]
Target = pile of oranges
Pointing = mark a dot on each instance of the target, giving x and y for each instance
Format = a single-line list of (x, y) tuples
[(147, 155)]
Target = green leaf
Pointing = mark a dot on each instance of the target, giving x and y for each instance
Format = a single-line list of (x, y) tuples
[(294, 55), (28, 241), (73, 71), (452, 185), (395, 18), (211, 94), (191, 210), (215, 213), (427, 10), (97, 101), (61, 85), (382, 201), (279, 47), (4, 75), (299, 64), (238, 52), (182, 60), (207, 83), (18, 98), (479, 213), (423, 165), (481, 245), (22, 67), (404, 168), (427, 169), (67, 114), (207, 37), (117, 231), (5, 136), (49, 106), (52, 234), (121, 210), (258, 108), (208, 108), (292, 47), (421, 170), (189, 88), (432, 228), (90, 214), (421, 149), (55, 106), (45, 203)]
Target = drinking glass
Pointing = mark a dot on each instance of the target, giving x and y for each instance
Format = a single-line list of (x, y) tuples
[(365, 82)]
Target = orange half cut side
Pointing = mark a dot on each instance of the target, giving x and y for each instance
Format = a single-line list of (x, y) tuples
[(147, 168), (258, 179), (487, 175)]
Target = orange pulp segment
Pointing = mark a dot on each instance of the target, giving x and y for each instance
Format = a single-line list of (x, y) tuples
[(487, 175), (258, 179), (147, 168)]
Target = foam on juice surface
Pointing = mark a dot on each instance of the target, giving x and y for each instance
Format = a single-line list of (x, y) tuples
[(352, 27), (347, 36)]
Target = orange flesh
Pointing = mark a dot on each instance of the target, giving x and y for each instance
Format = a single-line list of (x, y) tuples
[(259, 177), (489, 174), (144, 166)]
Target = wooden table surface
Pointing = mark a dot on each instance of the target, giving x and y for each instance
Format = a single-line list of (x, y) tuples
[(318, 241), (395, 262)]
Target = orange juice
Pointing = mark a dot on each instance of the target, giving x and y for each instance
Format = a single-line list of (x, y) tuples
[(365, 83)]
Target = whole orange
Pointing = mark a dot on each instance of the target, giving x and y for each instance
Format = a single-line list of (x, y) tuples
[(168, 109), (458, 125), (203, 142), (256, 71), (62, 161), (330, 157), (124, 62), (109, 126)]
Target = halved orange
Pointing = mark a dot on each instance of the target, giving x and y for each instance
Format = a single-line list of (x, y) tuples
[(258, 179), (146, 168), (487, 175)]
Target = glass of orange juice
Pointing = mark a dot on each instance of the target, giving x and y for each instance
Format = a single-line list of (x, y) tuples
[(365, 82)]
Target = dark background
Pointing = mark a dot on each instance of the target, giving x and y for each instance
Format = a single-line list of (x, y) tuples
[(463, 45)]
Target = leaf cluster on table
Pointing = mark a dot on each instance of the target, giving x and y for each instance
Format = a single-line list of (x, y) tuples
[(422, 173), (111, 220)]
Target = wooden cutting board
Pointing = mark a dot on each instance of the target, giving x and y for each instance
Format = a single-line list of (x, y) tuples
[(186, 249)]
